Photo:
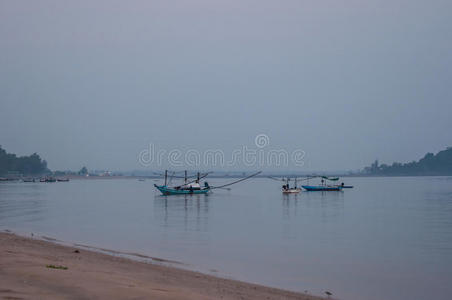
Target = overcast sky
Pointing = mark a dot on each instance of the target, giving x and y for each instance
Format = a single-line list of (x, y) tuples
[(95, 82)]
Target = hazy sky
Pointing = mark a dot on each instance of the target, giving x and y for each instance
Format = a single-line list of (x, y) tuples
[(94, 82)]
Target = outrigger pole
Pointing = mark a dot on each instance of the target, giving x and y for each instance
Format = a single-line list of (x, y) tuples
[(237, 181)]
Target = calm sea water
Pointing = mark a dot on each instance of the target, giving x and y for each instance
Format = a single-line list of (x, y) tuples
[(388, 238)]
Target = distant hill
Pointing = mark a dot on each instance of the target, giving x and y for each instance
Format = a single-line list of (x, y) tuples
[(23, 165), (430, 164)]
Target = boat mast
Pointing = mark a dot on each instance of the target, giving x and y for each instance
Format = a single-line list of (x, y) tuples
[(185, 177), (166, 176)]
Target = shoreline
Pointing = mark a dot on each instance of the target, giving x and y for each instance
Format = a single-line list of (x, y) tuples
[(35, 268)]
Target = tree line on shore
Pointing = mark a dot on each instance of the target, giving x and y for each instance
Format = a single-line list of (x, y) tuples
[(14, 166), (28, 165), (430, 164)]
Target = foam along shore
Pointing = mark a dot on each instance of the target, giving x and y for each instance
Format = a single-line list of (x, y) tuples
[(39, 269)]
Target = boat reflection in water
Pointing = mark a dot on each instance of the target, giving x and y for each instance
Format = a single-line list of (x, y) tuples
[(184, 212)]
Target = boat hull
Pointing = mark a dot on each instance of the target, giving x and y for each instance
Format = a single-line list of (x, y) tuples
[(291, 191), (169, 191), (320, 188)]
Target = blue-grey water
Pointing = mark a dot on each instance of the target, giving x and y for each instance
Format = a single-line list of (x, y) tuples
[(388, 238)]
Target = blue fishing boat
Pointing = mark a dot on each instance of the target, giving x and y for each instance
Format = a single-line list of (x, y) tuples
[(323, 186), (317, 188), (165, 190), (192, 187)]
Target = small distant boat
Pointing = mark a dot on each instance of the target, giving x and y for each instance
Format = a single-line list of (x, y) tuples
[(63, 179), (47, 179), (291, 191), (317, 188), (286, 189), (9, 179), (321, 187), (28, 180)]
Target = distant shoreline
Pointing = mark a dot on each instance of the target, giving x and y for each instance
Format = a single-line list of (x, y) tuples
[(290, 175), (44, 269)]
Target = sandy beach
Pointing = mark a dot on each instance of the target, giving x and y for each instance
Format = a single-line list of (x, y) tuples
[(36, 269)]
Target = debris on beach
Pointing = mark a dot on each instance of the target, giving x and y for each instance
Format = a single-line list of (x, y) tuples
[(57, 267)]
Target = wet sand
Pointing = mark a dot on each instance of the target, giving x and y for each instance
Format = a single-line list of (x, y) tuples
[(30, 269)]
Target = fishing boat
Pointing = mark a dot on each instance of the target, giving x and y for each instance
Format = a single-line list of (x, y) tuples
[(188, 188), (47, 179), (323, 187), (291, 191), (174, 191), (28, 180), (63, 179), (317, 188), (286, 189), (192, 187)]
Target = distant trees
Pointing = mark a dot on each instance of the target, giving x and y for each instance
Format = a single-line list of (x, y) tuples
[(430, 164), (83, 171), (27, 165)]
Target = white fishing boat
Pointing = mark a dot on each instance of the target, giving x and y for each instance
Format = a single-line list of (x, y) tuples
[(291, 191), (286, 188)]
